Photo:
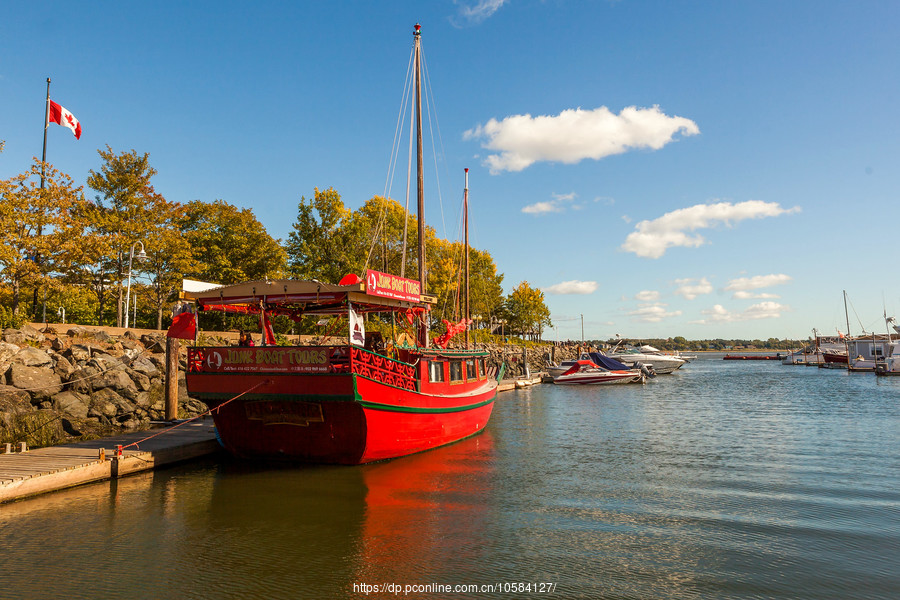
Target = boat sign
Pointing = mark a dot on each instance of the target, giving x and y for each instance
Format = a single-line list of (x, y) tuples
[(392, 286), (272, 359)]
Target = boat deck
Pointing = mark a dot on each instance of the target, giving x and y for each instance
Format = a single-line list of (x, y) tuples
[(24, 474)]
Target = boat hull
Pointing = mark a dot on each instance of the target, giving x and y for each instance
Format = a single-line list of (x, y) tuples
[(596, 379), (335, 418)]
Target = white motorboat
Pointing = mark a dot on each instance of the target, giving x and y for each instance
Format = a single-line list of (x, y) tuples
[(648, 356), (584, 372)]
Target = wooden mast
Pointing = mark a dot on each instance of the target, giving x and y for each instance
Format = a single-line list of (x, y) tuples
[(420, 183), (467, 315)]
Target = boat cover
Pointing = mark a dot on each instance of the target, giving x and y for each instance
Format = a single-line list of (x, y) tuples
[(607, 362)]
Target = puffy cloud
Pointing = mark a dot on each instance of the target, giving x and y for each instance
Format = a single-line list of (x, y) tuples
[(651, 239), (572, 287), (652, 313), (556, 205), (763, 310), (647, 296), (742, 284), (690, 290), (574, 135)]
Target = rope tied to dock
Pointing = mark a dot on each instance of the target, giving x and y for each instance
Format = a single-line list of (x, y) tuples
[(186, 421)]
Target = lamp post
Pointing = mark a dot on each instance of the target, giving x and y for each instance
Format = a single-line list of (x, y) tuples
[(141, 256)]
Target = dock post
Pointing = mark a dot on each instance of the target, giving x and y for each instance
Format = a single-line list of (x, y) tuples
[(8, 448), (23, 447), (171, 379)]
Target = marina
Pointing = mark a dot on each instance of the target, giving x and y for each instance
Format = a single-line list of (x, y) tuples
[(723, 480)]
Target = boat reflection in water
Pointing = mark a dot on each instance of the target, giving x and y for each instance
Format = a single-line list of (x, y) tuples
[(426, 516)]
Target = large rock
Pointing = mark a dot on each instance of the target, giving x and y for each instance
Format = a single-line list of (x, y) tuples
[(63, 367), (13, 336), (14, 397), (72, 404), (80, 380), (32, 357), (118, 381), (7, 351), (78, 353), (40, 383), (32, 334), (105, 362), (145, 366), (111, 405)]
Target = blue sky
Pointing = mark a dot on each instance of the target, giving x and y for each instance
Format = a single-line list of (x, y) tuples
[(702, 169)]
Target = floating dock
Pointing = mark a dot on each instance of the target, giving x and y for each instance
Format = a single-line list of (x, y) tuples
[(33, 472)]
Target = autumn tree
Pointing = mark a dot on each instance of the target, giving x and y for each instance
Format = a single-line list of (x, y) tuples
[(228, 244), (35, 228), (526, 310)]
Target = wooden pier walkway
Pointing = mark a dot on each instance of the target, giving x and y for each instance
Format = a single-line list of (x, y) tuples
[(43, 470)]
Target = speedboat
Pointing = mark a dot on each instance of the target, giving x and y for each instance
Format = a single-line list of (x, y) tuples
[(649, 356), (586, 372), (601, 360)]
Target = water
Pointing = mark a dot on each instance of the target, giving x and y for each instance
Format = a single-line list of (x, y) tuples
[(725, 480)]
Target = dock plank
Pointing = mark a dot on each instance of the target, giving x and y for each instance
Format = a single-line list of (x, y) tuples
[(43, 470)]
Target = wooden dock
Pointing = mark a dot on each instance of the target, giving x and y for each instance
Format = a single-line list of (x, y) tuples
[(24, 474)]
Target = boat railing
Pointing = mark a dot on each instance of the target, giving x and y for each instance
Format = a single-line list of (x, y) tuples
[(383, 368)]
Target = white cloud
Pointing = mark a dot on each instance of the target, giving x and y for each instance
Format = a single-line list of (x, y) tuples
[(754, 296), (743, 284), (479, 11), (763, 310), (647, 296), (558, 204), (572, 287), (539, 208), (651, 239), (652, 313), (690, 290), (574, 135)]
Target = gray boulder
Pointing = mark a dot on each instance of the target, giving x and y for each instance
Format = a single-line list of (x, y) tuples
[(145, 366), (13, 336), (32, 357), (40, 383), (72, 404), (118, 381)]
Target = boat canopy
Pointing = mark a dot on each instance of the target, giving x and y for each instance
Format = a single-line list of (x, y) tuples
[(607, 362), (295, 298)]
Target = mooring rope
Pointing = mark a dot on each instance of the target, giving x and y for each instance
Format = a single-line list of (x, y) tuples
[(203, 414)]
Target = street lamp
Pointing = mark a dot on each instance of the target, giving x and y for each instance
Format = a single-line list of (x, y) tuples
[(141, 256)]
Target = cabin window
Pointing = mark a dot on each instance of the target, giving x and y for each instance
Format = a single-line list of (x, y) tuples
[(471, 373), (436, 371), (479, 364), (456, 373)]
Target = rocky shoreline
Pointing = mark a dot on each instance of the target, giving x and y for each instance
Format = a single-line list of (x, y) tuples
[(81, 384), (57, 387)]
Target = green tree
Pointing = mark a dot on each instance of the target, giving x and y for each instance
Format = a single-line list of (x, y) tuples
[(325, 243), (123, 213), (228, 244)]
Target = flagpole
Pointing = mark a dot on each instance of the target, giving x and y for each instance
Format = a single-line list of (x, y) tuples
[(46, 121), (37, 257)]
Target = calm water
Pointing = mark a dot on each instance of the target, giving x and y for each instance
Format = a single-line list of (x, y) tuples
[(725, 480)]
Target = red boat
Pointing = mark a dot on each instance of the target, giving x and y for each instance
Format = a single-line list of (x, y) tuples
[(337, 403), (352, 402)]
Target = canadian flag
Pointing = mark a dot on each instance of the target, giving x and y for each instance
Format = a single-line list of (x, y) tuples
[(61, 116)]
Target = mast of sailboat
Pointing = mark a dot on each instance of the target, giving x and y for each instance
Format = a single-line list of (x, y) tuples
[(420, 182), (466, 223)]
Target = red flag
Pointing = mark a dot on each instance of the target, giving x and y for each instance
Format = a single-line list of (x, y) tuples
[(184, 326), (61, 116)]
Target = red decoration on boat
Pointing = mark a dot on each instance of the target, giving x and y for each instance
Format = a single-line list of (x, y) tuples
[(451, 329)]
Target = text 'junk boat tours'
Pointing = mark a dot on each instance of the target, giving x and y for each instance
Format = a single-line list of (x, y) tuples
[(347, 403)]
